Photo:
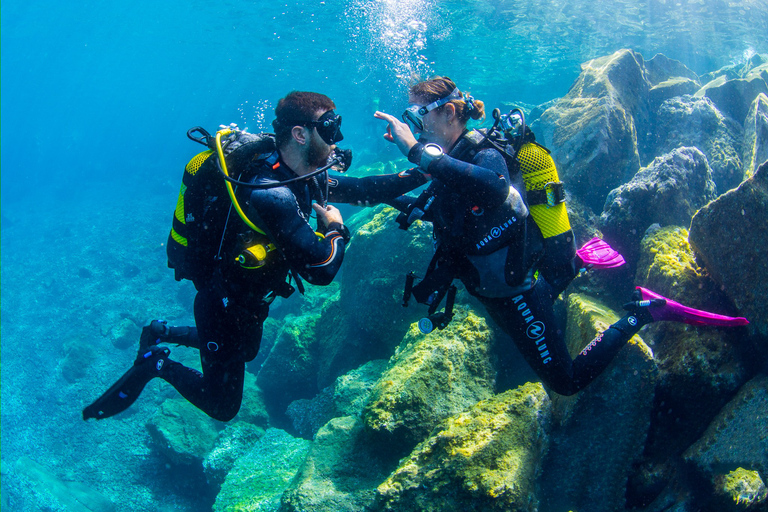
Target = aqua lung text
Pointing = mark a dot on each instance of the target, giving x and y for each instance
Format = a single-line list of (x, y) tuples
[(535, 330)]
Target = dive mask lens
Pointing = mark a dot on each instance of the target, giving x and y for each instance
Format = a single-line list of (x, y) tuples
[(412, 116), (329, 127)]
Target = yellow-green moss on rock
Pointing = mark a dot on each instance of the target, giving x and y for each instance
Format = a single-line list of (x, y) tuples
[(744, 487), (483, 459), (431, 377)]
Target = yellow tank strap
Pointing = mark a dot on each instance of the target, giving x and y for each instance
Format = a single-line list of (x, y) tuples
[(230, 190)]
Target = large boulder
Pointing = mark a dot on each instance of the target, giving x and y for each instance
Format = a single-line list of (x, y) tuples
[(182, 432), (592, 129), (430, 378), (259, 477), (340, 473), (736, 438), (700, 368), (486, 458), (756, 135), (730, 237), (346, 397), (290, 370), (667, 192), (734, 97), (367, 321), (599, 433), (695, 121)]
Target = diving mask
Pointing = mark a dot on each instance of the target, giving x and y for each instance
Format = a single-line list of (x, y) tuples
[(328, 127), (413, 114)]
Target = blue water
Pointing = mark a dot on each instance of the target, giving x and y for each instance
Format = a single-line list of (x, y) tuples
[(96, 100)]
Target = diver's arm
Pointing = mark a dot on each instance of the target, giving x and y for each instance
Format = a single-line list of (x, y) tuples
[(371, 190), (483, 180), (317, 259)]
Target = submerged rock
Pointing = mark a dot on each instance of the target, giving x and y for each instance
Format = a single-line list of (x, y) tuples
[(483, 459), (667, 192), (232, 443), (340, 473), (740, 489), (737, 438), (290, 370), (348, 395), (431, 377), (44, 490), (591, 130), (599, 433), (258, 479), (182, 432), (756, 135), (368, 321), (699, 367), (730, 237), (688, 121), (734, 97)]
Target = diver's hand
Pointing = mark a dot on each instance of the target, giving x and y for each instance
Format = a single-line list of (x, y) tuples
[(327, 215), (398, 132)]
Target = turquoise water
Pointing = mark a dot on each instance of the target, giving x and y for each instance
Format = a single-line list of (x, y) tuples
[(96, 100)]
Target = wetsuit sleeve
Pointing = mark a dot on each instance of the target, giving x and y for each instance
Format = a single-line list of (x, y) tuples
[(317, 259), (373, 189), (483, 181)]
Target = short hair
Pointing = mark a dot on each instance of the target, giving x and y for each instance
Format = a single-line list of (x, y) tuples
[(441, 86), (298, 108)]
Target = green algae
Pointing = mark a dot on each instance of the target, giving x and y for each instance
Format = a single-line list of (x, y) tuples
[(485, 458)]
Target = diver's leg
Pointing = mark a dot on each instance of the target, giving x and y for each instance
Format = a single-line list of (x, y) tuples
[(158, 331), (229, 336), (530, 321)]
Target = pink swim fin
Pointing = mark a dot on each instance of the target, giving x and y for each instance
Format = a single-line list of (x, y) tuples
[(662, 308), (598, 254)]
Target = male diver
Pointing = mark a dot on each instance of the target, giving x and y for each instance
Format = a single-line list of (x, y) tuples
[(239, 262)]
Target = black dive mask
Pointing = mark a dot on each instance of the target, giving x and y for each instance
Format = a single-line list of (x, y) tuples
[(328, 127)]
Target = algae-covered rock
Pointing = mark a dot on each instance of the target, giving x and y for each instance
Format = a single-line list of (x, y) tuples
[(340, 473), (591, 131), (182, 432), (253, 408), (232, 443), (260, 476), (740, 489), (734, 97), (430, 378), (738, 436), (600, 432), (368, 321), (290, 370), (688, 121), (730, 238), (483, 459), (348, 395), (699, 367), (756, 135), (667, 192), (668, 266), (47, 491)]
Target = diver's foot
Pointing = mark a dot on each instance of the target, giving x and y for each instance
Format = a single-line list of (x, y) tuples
[(127, 389), (661, 308), (151, 335), (598, 254)]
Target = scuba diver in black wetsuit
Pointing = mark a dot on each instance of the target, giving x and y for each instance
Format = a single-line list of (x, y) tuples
[(511, 247), (239, 259)]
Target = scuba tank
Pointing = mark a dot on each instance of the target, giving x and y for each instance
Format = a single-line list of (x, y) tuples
[(545, 196)]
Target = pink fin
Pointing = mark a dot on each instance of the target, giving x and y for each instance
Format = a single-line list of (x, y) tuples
[(598, 254), (676, 312)]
